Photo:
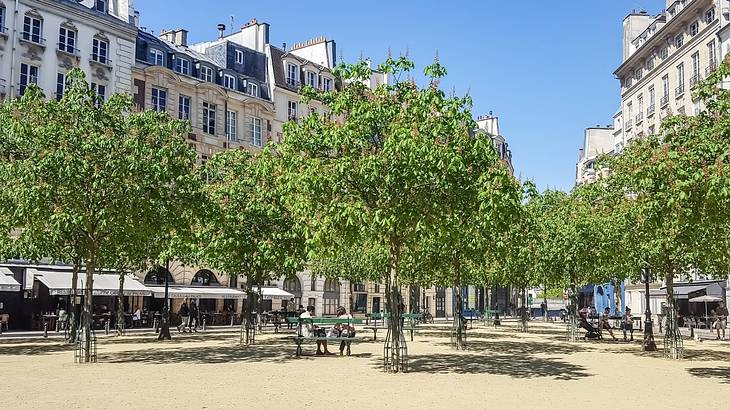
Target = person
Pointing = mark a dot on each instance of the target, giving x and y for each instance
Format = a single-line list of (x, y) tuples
[(721, 321), (291, 311), (308, 329), (593, 312), (591, 332), (194, 312), (184, 314), (344, 329), (628, 324), (605, 322), (137, 317)]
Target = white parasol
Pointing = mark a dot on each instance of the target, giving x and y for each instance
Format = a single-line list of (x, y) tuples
[(705, 299)]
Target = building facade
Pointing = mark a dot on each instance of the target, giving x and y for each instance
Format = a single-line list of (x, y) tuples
[(663, 57), (597, 141), (42, 40)]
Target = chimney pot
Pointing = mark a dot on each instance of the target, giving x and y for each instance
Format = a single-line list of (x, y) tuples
[(221, 30)]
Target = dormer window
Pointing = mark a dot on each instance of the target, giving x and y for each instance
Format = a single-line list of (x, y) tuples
[(182, 65), (710, 15), (206, 74), (326, 84), (157, 57), (101, 5), (252, 89), (229, 81), (694, 28), (239, 57), (312, 79), (679, 41), (292, 74)]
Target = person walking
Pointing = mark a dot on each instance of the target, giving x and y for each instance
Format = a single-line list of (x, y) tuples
[(194, 314), (721, 321), (184, 314)]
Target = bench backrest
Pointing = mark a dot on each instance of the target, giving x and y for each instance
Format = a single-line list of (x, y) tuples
[(326, 321)]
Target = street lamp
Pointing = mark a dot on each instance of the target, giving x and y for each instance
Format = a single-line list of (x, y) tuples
[(648, 345)]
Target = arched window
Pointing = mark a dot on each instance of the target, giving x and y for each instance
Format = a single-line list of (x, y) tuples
[(294, 286), (204, 277), (157, 277), (331, 297)]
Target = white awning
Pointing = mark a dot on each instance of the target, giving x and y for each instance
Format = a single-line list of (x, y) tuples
[(202, 292), (7, 281), (273, 292), (59, 283)]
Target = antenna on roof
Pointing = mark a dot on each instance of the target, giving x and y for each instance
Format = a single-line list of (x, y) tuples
[(233, 19), (342, 56), (436, 58)]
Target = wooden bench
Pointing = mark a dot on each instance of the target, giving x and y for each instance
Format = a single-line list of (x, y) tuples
[(322, 322)]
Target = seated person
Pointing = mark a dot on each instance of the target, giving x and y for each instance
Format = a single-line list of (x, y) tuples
[(308, 329), (627, 323), (605, 322), (343, 329), (137, 317), (591, 332)]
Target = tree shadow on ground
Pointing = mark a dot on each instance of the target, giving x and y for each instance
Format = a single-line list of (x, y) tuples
[(270, 352), (689, 353), (36, 348), (515, 366), (520, 348), (722, 373)]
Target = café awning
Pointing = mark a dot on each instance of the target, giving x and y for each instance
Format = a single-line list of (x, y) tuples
[(273, 292), (7, 281), (201, 292), (59, 283)]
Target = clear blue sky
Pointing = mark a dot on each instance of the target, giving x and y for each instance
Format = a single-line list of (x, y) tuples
[(544, 67)]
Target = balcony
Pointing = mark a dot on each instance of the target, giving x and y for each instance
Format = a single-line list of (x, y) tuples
[(294, 83), (65, 49), (639, 118), (679, 91), (629, 123), (101, 60), (650, 110), (711, 67), (695, 79), (34, 39), (664, 101), (2, 88), (3, 31)]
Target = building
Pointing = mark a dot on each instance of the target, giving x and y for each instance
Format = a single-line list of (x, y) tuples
[(42, 40), (597, 141), (489, 124), (220, 87), (663, 57)]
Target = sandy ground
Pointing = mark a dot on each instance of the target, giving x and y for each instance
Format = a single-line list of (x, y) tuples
[(501, 369)]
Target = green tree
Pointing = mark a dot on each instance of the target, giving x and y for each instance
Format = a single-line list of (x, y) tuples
[(90, 173), (248, 229)]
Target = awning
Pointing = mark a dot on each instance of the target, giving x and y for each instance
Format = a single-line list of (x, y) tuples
[(7, 281), (706, 299), (202, 292), (273, 292), (684, 290), (59, 283)]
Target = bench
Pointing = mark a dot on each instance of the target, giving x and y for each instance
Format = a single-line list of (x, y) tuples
[(323, 322), (412, 318)]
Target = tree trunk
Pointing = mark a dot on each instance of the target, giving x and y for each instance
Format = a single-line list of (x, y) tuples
[(673, 345), (573, 314), (72, 316), (395, 344), (246, 336), (120, 305), (544, 300), (88, 317), (165, 325), (523, 313), (260, 308), (458, 330)]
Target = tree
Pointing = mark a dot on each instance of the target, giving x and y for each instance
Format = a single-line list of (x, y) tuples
[(248, 229), (375, 168), (91, 174)]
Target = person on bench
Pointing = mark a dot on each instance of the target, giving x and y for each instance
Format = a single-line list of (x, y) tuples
[(344, 329), (308, 329), (591, 332), (628, 324)]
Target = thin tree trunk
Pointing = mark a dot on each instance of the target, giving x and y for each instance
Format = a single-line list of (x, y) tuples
[(88, 318), (395, 344), (165, 325), (120, 305), (673, 346), (458, 329), (544, 300), (246, 322), (72, 316)]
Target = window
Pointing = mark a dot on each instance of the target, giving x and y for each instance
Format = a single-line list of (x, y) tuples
[(640, 108), (694, 28), (664, 53), (231, 125), (712, 55), (255, 132), (326, 84), (183, 107), (650, 64), (313, 283), (331, 297), (679, 41), (710, 15), (252, 89), (695, 68), (28, 75), (209, 118), (292, 110), (680, 80), (229, 81), (292, 74), (639, 73), (665, 86), (652, 100), (33, 29), (159, 99), (157, 57), (100, 90), (100, 5), (629, 109), (3, 29), (312, 79), (206, 74), (60, 85), (67, 40), (239, 57), (329, 306), (100, 51), (182, 65)]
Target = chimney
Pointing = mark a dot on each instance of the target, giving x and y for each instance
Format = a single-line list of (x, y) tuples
[(135, 19), (221, 30), (178, 36)]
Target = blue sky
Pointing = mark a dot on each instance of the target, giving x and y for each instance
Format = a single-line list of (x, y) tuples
[(544, 67)]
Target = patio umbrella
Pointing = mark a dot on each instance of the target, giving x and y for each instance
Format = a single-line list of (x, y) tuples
[(705, 299)]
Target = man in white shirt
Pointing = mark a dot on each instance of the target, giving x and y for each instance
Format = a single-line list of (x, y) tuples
[(345, 329), (308, 329)]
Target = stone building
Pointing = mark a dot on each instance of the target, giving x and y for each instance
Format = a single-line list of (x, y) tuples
[(41, 40), (597, 141)]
